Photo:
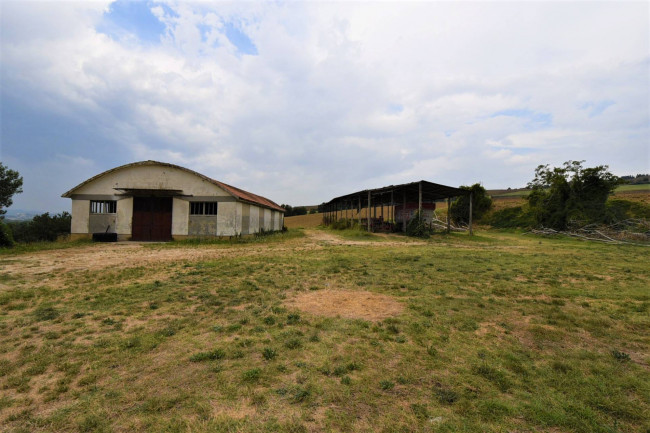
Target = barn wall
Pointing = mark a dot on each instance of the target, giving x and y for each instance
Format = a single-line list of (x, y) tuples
[(80, 216), (102, 223), (181, 218), (267, 219), (203, 225), (227, 219), (245, 218), (124, 217), (254, 219), (152, 177)]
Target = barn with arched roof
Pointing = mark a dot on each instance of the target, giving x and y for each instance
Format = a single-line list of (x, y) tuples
[(157, 201)]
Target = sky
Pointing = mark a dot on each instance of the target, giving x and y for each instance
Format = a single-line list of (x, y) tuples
[(304, 101)]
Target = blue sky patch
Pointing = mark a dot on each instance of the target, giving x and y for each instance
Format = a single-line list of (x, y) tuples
[(596, 108), (240, 39), (535, 119), (134, 17), (395, 108)]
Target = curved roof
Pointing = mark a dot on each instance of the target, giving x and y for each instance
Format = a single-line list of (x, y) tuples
[(238, 193)]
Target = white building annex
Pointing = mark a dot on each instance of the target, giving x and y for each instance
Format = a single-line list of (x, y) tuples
[(157, 201)]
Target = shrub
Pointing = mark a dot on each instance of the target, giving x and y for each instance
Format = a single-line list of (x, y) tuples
[(42, 228), (6, 237), (511, 217), (208, 356), (481, 203), (570, 193), (417, 228), (269, 353)]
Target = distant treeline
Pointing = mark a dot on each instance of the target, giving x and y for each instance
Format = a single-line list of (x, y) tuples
[(636, 180), (44, 227), (294, 211)]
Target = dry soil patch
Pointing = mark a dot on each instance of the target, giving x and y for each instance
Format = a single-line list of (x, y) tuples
[(347, 303)]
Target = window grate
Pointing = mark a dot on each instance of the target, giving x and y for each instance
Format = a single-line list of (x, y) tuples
[(203, 208), (103, 206)]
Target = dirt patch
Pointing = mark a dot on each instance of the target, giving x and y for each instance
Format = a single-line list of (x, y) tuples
[(346, 303)]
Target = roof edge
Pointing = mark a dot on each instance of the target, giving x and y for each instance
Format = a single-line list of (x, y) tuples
[(238, 193)]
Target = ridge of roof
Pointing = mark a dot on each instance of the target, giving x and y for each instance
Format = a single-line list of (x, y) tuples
[(238, 193)]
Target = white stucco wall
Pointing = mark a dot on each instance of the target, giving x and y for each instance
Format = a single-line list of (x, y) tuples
[(152, 177), (254, 219), (180, 217), (80, 216), (226, 219), (124, 216)]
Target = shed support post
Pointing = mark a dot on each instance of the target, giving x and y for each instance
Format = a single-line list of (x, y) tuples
[(420, 200), (448, 214), (359, 212), (470, 214), (368, 215), (404, 212), (392, 210)]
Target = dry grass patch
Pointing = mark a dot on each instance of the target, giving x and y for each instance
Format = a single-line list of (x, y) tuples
[(348, 304)]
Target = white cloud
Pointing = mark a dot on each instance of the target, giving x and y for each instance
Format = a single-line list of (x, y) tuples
[(314, 114)]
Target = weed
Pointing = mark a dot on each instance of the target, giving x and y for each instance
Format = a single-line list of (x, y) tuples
[(386, 385), (252, 375), (620, 356), (208, 356), (269, 353)]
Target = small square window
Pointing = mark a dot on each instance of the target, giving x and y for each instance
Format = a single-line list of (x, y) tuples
[(103, 206), (203, 208)]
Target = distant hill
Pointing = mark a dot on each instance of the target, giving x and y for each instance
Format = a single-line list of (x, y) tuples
[(20, 215)]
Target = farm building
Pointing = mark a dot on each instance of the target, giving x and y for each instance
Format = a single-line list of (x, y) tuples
[(391, 207), (157, 201)]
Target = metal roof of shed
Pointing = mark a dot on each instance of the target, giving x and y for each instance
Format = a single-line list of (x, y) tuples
[(408, 191)]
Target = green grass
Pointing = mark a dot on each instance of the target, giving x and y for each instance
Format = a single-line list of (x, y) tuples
[(499, 332), (621, 188), (640, 187)]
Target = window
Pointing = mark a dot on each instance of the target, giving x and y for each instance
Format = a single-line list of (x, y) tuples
[(103, 206), (203, 208)]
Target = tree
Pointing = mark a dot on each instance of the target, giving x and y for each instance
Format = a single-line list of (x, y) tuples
[(44, 227), (10, 183), (561, 195), (481, 203)]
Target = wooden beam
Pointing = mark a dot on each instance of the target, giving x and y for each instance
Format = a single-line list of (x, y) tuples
[(448, 214), (470, 214), (420, 200), (403, 211), (368, 216)]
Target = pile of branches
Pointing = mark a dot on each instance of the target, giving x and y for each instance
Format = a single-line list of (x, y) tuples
[(629, 231), (440, 224)]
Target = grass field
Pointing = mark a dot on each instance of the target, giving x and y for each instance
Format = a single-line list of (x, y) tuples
[(313, 331), (620, 189)]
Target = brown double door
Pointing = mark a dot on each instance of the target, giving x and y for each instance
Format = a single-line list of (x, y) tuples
[(152, 219)]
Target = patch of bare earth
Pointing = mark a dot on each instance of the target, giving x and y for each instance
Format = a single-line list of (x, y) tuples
[(346, 303)]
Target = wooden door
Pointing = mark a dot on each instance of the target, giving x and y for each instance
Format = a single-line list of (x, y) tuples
[(152, 219)]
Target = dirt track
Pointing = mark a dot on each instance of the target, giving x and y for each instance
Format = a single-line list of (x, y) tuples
[(52, 264)]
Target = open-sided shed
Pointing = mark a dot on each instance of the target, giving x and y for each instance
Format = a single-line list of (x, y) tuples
[(399, 201)]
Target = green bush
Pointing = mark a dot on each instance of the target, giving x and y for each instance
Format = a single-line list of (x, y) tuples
[(569, 193), (618, 209), (512, 217), (481, 203), (43, 227), (417, 228), (6, 237)]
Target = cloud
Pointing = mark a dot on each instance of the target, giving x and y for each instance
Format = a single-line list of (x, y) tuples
[(306, 101)]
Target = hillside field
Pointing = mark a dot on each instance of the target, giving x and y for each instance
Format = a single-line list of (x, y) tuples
[(316, 330)]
